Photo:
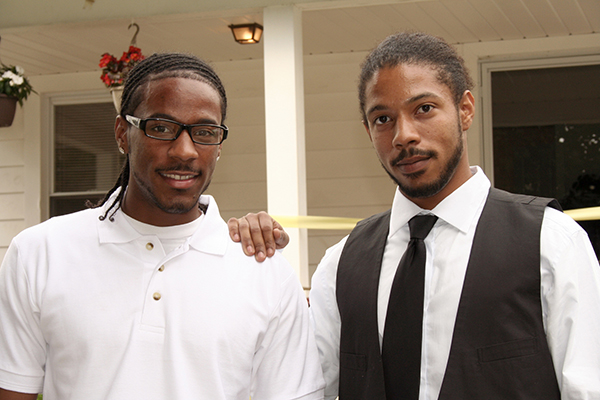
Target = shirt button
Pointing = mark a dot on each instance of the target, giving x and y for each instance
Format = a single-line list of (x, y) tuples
[(156, 296), (149, 246), (161, 268)]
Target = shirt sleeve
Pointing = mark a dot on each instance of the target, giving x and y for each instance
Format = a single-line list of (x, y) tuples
[(287, 362), (22, 345), (571, 305), (326, 317)]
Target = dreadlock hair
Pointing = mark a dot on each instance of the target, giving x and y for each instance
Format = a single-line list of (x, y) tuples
[(158, 66), (416, 48)]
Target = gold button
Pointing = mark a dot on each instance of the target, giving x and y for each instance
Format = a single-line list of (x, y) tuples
[(149, 246), (161, 268), (156, 296)]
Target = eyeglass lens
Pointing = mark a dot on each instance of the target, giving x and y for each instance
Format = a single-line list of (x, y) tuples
[(168, 130)]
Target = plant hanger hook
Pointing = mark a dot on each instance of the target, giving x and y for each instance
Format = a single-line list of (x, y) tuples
[(134, 38)]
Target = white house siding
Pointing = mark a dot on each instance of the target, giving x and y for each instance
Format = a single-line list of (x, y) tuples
[(240, 183), (12, 194), (344, 176)]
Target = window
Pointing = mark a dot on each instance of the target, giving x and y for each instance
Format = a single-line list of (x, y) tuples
[(546, 135), (85, 162)]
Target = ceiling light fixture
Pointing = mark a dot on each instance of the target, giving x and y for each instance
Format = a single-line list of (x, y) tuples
[(247, 33)]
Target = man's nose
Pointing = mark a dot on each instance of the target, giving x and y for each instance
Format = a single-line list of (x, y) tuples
[(405, 133), (183, 147)]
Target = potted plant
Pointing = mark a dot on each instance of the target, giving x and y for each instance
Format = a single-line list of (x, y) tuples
[(114, 71), (14, 88)]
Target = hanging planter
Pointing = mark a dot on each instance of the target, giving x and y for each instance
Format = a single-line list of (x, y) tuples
[(116, 93), (14, 88), (8, 107), (114, 71)]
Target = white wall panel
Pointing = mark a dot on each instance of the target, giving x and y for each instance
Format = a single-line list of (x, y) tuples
[(11, 153), (336, 135), (8, 230), (12, 206), (11, 179)]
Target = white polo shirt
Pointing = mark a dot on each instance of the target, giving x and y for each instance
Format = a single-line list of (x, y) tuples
[(94, 309)]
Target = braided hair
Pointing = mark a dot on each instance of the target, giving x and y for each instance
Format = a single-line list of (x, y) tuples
[(416, 48), (158, 66)]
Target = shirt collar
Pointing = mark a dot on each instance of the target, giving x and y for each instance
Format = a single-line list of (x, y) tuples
[(211, 237), (114, 228), (458, 209)]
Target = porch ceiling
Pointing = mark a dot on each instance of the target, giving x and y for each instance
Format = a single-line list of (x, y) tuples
[(76, 47)]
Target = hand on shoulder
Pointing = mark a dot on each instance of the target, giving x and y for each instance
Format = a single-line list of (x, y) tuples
[(259, 234)]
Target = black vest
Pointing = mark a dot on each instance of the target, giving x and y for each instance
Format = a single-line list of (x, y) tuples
[(499, 348)]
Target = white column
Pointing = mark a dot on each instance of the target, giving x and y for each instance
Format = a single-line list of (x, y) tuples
[(284, 109)]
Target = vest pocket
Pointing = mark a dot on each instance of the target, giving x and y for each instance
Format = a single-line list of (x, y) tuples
[(513, 349), (356, 362)]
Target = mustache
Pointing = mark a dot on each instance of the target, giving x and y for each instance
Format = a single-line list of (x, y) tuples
[(180, 168), (411, 152)]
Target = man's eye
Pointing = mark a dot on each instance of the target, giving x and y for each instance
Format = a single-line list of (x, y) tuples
[(205, 132), (424, 109), (381, 120), (161, 129)]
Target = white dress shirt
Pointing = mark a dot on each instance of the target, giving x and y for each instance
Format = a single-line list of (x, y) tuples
[(570, 290)]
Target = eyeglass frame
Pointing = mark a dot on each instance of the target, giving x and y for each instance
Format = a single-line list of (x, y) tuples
[(141, 125)]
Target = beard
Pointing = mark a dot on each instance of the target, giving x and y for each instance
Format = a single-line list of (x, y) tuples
[(167, 205), (432, 188)]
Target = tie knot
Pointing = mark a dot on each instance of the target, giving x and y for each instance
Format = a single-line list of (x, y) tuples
[(420, 226)]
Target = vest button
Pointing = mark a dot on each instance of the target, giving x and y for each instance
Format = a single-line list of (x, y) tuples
[(156, 296), (149, 246)]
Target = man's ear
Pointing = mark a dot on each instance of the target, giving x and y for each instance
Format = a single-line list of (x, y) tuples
[(466, 109), (121, 128)]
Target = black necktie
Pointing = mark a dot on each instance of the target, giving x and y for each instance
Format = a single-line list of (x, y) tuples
[(402, 334)]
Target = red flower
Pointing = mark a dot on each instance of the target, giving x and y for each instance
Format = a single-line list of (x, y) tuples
[(115, 71), (135, 54), (106, 59), (107, 81)]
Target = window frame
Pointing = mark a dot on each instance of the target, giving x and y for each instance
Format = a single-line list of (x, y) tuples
[(48, 141), (486, 67)]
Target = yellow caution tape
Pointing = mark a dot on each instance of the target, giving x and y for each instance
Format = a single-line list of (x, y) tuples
[(584, 214), (339, 223), (313, 222)]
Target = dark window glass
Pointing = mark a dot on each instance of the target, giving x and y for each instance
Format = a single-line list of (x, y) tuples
[(547, 136), (86, 160)]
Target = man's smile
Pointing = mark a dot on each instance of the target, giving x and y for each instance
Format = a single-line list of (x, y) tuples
[(178, 177)]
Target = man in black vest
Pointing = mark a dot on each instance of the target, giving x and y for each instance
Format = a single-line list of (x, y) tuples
[(510, 294)]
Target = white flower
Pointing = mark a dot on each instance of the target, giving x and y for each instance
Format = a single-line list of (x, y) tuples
[(13, 83), (16, 80)]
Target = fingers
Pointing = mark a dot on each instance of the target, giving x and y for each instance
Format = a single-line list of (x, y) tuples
[(253, 231), (239, 231), (259, 234), (282, 239), (234, 229), (261, 228)]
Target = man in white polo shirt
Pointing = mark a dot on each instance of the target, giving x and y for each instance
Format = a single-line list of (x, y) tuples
[(145, 296)]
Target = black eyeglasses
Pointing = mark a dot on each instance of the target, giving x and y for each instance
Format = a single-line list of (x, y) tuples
[(165, 129)]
